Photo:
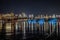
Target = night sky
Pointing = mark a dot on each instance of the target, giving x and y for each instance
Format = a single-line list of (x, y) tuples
[(30, 6)]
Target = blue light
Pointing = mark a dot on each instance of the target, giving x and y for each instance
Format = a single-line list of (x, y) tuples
[(53, 21), (33, 21), (29, 21), (41, 21)]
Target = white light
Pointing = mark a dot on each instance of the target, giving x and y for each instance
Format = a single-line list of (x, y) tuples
[(31, 15)]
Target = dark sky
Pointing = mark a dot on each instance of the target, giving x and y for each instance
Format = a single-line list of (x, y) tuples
[(30, 6)]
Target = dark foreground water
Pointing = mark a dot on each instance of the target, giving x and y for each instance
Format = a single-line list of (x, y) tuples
[(30, 36)]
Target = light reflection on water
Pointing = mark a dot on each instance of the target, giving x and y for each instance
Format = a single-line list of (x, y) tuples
[(26, 35)]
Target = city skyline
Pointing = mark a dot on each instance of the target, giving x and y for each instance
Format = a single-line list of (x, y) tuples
[(29, 19)]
